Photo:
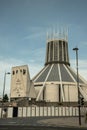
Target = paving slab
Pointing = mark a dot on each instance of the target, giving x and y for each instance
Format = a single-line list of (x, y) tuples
[(45, 121)]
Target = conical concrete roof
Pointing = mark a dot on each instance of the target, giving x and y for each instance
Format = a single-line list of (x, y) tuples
[(58, 73)]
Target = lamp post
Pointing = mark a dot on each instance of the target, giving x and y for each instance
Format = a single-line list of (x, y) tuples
[(79, 105), (4, 83), (4, 90)]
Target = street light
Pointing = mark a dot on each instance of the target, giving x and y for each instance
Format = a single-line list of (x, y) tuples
[(4, 89), (4, 83), (76, 49)]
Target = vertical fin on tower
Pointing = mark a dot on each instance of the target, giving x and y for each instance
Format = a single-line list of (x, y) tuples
[(57, 46)]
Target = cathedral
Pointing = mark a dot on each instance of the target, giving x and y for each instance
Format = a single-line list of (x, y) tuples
[(56, 82)]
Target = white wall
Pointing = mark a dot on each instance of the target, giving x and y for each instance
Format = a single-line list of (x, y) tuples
[(33, 111), (10, 112)]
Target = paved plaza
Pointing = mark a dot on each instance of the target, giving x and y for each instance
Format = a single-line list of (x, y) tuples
[(45, 121)]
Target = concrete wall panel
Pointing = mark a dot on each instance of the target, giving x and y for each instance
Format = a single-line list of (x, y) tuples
[(56, 111), (45, 111), (24, 112), (50, 90), (60, 111), (77, 113), (37, 111), (49, 111), (33, 111), (52, 110), (10, 112), (73, 111), (20, 112), (70, 111), (28, 111), (41, 111), (63, 111)]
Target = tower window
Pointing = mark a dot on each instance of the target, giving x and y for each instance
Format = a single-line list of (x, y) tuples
[(16, 71), (21, 70), (24, 71), (13, 72)]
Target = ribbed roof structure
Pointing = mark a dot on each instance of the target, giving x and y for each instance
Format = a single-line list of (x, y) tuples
[(58, 73)]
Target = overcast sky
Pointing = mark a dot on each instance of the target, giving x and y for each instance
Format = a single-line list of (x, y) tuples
[(23, 27)]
